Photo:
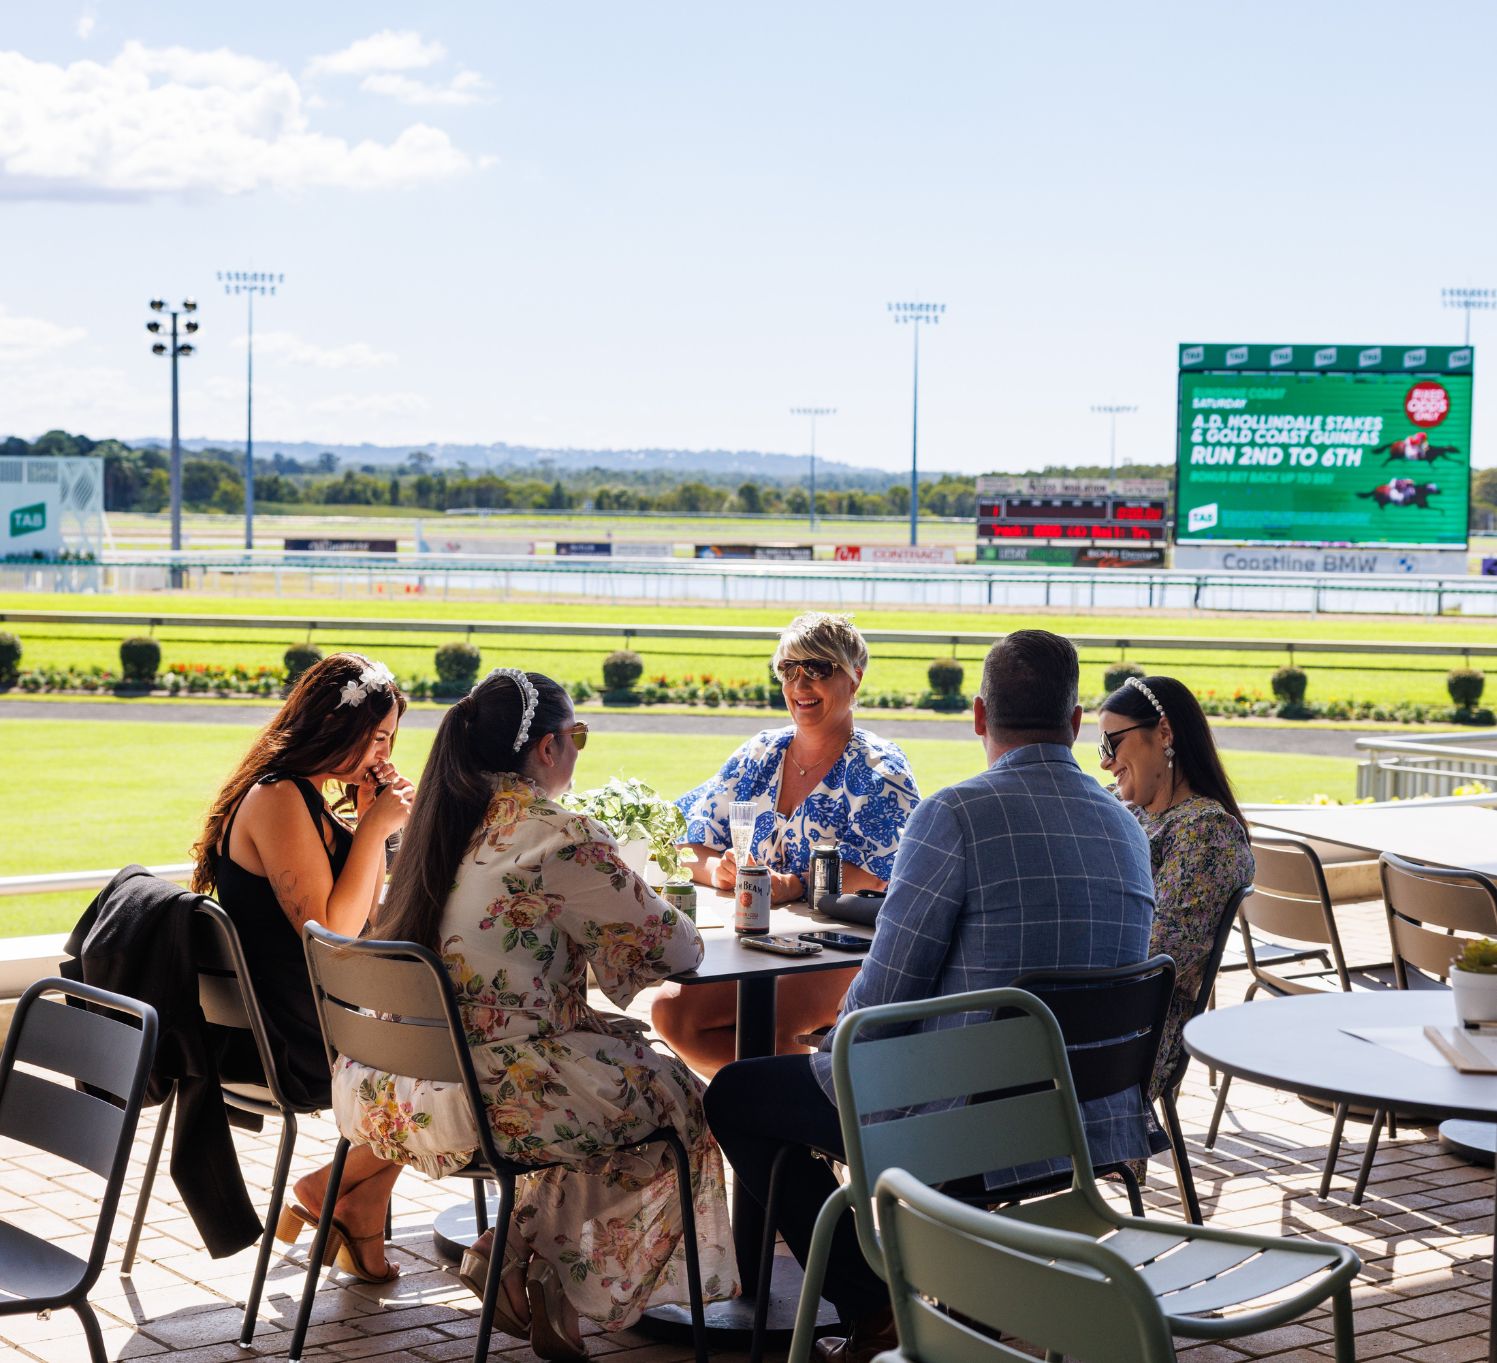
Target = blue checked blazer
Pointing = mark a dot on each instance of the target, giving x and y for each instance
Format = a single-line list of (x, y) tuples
[(1030, 865)]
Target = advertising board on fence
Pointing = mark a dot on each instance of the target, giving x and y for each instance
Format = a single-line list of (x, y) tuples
[(1074, 556), (338, 545), (584, 548), (796, 552), (1324, 445), (1321, 560), (29, 519), (895, 553)]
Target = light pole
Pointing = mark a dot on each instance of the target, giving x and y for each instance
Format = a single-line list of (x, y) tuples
[(1112, 411), (1468, 301), (249, 284), (175, 349), (913, 314), (813, 413)]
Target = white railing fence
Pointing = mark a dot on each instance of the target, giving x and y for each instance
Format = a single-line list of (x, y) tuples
[(1426, 766)]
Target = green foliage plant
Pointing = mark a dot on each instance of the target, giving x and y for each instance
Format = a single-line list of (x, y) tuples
[(631, 810), (10, 658), (1465, 685), (1289, 685), (457, 668), (298, 658), (1117, 674), (1479, 957), (140, 660), (945, 676), (622, 669)]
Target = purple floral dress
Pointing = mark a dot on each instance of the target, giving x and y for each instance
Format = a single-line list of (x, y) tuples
[(1200, 855), (539, 897)]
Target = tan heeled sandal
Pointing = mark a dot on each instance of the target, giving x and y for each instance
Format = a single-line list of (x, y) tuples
[(473, 1273), (342, 1250), (547, 1336)]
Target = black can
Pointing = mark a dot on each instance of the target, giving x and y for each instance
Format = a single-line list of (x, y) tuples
[(826, 872)]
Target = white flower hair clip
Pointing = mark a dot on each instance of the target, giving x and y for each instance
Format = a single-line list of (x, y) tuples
[(1149, 695), (527, 693), (374, 677)]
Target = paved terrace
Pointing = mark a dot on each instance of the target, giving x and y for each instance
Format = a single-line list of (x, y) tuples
[(1424, 1234)]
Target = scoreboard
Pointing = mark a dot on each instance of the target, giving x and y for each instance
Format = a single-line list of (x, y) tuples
[(1128, 511)]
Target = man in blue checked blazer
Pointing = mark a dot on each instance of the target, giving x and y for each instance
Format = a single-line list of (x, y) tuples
[(1029, 865)]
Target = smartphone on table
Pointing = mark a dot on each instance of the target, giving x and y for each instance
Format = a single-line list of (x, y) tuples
[(782, 946), (838, 941)]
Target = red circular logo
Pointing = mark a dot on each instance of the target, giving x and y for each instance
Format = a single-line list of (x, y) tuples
[(1427, 403)]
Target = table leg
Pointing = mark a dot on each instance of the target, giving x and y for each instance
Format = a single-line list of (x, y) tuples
[(1492, 1305), (756, 1037)]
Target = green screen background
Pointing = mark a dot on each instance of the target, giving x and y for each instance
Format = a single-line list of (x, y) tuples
[(1292, 504)]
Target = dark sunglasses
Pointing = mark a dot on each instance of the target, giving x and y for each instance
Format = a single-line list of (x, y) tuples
[(813, 669), (579, 735), (1107, 743)]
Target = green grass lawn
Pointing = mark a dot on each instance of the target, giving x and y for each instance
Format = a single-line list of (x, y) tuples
[(1218, 668), (84, 795)]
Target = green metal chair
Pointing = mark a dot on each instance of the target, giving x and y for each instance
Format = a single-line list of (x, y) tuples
[(960, 1277), (995, 1093)]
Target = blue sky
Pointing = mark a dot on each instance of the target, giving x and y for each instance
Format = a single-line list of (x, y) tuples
[(665, 224)]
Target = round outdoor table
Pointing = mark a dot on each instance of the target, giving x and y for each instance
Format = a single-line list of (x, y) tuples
[(1298, 1045)]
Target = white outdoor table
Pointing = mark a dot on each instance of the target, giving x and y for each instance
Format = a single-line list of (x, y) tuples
[(1297, 1045)]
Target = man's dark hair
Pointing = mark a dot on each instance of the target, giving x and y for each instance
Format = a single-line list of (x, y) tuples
[(1029, 686)]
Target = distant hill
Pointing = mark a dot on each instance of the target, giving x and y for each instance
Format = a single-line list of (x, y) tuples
[(499, 457)]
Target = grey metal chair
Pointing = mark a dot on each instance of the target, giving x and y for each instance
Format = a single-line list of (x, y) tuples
[(951, 1268), (1433, 911), (996, 1093), (226, 994), (391, 1004), (90, 1126)]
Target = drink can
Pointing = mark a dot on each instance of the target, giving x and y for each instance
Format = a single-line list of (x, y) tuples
[(826, 871), (682, 897), (751, 901)]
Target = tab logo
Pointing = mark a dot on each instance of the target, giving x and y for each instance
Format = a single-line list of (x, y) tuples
[(1237, 355), (1283, 355), (1373, 356), (1192, 354), (1460, 358), (1325, 357), (1413, 359), (27, 520), (1201, 518)]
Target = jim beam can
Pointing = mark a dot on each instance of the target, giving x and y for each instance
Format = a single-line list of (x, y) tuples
[(751, 901), (682, 897), (826, 872)]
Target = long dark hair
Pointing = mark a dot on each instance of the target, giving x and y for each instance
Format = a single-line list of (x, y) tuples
[(1196, 758), (313, 733), (474, 743)]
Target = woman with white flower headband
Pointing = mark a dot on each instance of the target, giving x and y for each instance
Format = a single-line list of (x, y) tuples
[(521, 897), (276, 855)]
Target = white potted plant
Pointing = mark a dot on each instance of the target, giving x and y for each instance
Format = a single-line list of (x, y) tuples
[(1473, 981), (644, 822)]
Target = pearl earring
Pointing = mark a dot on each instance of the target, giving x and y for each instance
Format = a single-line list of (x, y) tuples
[(1169, 754)]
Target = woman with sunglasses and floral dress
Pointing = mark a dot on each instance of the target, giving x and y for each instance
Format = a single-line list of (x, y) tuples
[(1155, 743), (819, 780)]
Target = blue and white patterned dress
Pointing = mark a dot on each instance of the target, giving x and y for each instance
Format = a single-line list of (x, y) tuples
[(861, 804)]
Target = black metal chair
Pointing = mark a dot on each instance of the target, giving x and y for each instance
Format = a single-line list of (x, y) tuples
[(391, 1004), (226, 994), (90, 1125)]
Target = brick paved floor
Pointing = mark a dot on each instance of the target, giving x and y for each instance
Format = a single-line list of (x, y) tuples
[(1424, 1234)]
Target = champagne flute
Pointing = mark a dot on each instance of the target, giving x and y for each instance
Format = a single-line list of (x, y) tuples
[(741, 826)]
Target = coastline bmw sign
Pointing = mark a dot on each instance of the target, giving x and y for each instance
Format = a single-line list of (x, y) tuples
[(1360, 448)]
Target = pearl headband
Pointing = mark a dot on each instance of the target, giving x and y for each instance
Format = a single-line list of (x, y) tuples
[(527, 693), (374, 677), (1151, 697)]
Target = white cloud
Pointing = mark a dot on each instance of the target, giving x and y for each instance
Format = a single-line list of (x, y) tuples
[(467, 87), (387, 50), (288, 346), (161, 120), (25, 338), (85, 25)]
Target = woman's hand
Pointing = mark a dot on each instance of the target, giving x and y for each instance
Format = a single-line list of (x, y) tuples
[(725, 871), (385, 812), (785, 886)]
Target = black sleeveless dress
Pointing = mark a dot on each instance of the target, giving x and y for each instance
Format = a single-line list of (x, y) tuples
[(277, 965)]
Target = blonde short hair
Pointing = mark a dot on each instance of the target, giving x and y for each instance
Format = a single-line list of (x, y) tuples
[(819, 635)]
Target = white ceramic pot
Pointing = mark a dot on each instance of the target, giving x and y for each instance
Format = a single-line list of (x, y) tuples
[(1475, 995), (635, 854)]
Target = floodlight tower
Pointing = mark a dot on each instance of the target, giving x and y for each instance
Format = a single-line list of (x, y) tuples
[(174, 350), (1469, 301), (250, 283), (1113, 410), (813, 413), (913, 314)]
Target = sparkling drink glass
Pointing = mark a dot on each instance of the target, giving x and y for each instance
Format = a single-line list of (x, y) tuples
[(741, 827)]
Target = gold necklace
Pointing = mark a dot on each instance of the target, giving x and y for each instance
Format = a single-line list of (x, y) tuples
[(793, 762)]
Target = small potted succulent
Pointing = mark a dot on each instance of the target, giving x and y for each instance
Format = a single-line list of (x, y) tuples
[(1473, 981)]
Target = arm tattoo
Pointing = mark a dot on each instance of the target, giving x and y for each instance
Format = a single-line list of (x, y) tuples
[(284, 887)]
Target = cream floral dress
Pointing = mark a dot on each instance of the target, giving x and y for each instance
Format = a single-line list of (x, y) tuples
[(539, 897)]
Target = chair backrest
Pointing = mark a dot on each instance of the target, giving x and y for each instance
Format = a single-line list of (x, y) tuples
[(1112, 1020), (1209, 969), (390, 1005), (226, 989), (1433, 911), (93, 1127), (951, 1266), (1290, 902), (989, 1088)]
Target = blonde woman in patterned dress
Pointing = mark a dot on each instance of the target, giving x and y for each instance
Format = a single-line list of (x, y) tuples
[(520, 896), (1156, 744)]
